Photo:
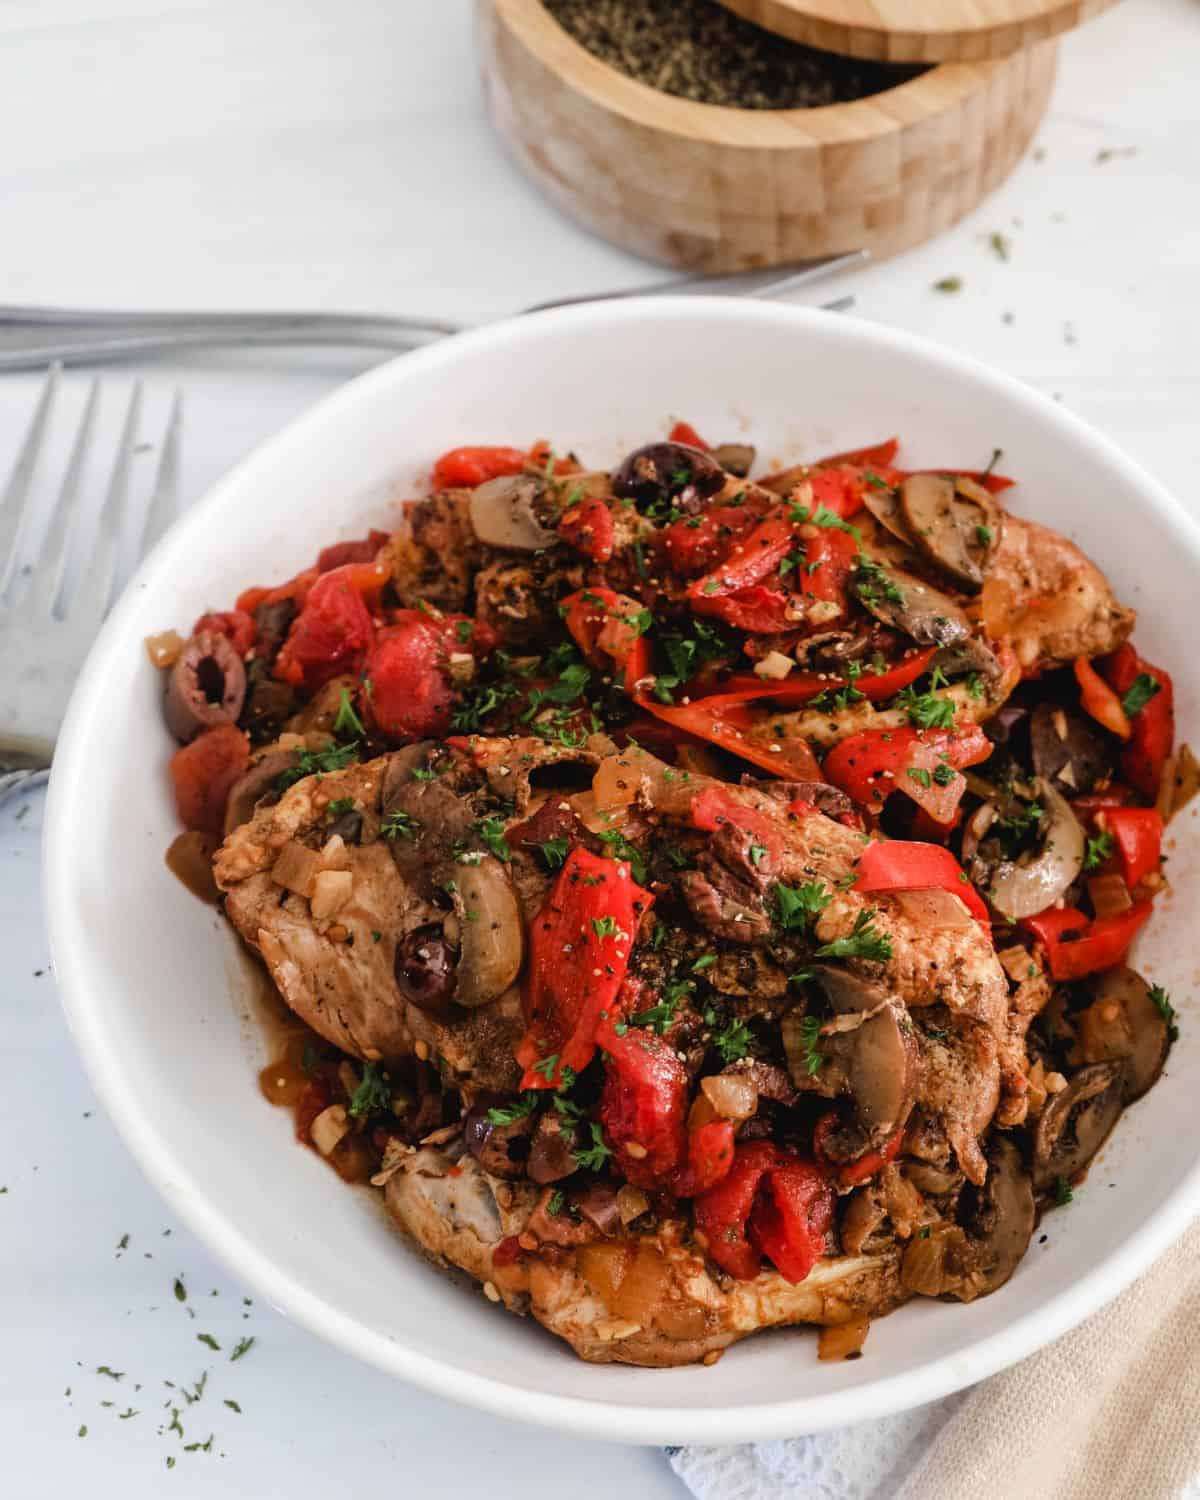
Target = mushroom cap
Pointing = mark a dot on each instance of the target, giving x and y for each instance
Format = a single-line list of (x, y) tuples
[(1076, 1122)]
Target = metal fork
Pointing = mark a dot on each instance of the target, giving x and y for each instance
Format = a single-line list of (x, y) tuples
[(55, 593)]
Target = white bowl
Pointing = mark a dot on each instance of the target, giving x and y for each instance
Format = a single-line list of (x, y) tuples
[(151, 979)]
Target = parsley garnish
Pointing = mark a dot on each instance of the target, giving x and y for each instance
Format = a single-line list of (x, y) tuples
[(338, 806), (1018, 829), (491, 831), (546, 1066), (1142, 689), (944, 774), (464, 630), (661, 1017), (619, 847), (863, 942), (398, 825), (797, 903), (949, 284), (758, 853), (592, 1158), (834, 699), (920, 776), (1168, 1012), (1062, 1192), (604, 926), (733, 1040), (975, 685), (926, 710), (480, 700), (243, 1346), (873, 581), (316, 763), (1098, 850), (347, 723), (555, 1202), (983, 535), (810, 1038), (372, 1094), (506, 1114), (554, 852)]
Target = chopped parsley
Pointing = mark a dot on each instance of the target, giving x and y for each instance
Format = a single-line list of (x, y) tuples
[(1142, 689), (944, 774), (983, 535), (810, 1040), (207, 1338), (874, 582), (1062, 1192), (685, 655), (464, 630), (733, 1039), (758, 853), (619, 847), (338, 806), (347, 724), (1018, 829), (796, 904), (1098, 850), (491, 831), (508, 1114), (243, 1346), (832, 700), (398, 825), (920, 776), (661, 1017), (592, 1158), (949, 284), (372, 1094), (553, 852), (480, 701), (705, 961), (1168, 1012), (546, 1066), (604, 926), (863, 942), (975, 685), (926, 710), (317, 763), (555, 1202)]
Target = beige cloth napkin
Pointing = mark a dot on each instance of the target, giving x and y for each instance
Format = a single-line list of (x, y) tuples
[(1111, 1411)]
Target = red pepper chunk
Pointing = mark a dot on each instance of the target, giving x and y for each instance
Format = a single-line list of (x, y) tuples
[(1076, 947), (723, 1212), (742, 730), (465, 468), (791, 1216), (900, 865), (1152, 727), (878, 456), (1098, 699), (579, 947), (643, 1104), (588, 527), (331, 634), (870, 765), (684, 432), (606, 626), (870, 1162), (698, 543), (713, 808), (1137, 832), (709, 1157), (798, 688)]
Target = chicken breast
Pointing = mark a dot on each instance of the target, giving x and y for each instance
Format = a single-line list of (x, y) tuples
[(670, 1311)]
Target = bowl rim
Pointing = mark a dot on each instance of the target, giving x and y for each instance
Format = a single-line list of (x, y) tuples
[(150, 1146), (648, 108)]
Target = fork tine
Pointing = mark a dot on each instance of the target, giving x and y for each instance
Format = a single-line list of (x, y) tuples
[(14, 519), (94, 594), (164, 498), (50, 570)]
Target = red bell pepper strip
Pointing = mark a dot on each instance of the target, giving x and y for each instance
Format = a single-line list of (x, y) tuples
[(697, 544), (464, 468), (713, 808), (878, 455), (709, 1158), (684, 432), (608, 628), (799, 687), (734, 726), (870, 765), (333, 631), (203, 773), (791, 1216), (864, 1167), (1099, 700), (1152, 727), (1137, 832), (643, 1103), (723, 1212), (235, 625), (1076, 946), (588, 527), (738, 592), (899, 865), (579, 947)]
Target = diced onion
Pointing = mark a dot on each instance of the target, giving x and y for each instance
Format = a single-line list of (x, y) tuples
[(163, 649), (296, 868), (733, 1096), (774, 665), (843, 1340), (331, 889), (934, 908), (327, 1130)]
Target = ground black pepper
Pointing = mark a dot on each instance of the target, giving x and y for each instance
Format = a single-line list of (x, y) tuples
[(698, 50)]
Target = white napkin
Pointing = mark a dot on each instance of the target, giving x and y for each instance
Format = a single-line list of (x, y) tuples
[(1109, 1412)]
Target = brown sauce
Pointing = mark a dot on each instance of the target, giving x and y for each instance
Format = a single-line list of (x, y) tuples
[(189, 859)]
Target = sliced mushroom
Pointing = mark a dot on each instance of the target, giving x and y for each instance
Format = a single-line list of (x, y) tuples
[(884, 505), (258, 781), (1076, 1122), (905, 603), (431, 818), (503, 513), (969, 654), (491, 937), (999, 1217), (955, 523), (687, 474), (1035, 880), (1066, 751), (1123, 1024), (205, 687), (735, 458)]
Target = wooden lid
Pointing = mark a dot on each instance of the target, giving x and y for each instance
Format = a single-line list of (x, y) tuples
[(904, 31)]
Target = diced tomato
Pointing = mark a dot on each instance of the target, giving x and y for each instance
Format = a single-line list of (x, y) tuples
[(840, 488), (409, 696), (588, 527), (695, 544), (464, 468), (1076, 946), (900, 865), (791, 1216), (331, 634), (870, 765), (744, 590), (723, 1212), (713, 807), (684, 432), (1138, 833), (1152, 727), (643, 1103), (579, 946), (709, 1157), (735, 726), (202, 774), (295, 588), (879, 455), (341, 553), (830, 558), (795, 690), (236, 625), (608, 628), (1099, 700)]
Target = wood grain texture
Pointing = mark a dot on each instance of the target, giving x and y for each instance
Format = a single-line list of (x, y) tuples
[(919, 30), (713, 189)]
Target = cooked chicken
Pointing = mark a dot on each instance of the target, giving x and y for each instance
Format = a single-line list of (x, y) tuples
[(433, 557)]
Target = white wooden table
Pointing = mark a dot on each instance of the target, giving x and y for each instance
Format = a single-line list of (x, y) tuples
[(263, 153)]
